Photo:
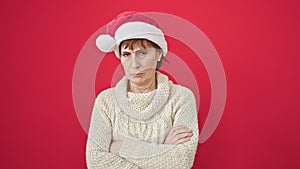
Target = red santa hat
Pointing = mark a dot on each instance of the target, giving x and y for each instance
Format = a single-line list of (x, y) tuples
[(130, 25)]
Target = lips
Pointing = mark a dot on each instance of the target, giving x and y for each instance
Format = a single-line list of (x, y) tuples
[(136, 74)]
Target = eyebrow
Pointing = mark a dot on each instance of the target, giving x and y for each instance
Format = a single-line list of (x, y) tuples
[(134, 51), (126, 52)]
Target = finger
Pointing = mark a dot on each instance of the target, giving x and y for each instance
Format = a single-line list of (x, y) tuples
[(176, 128), (183, 140), (177, 137), (179, 127), (182, 130), (183, 135)]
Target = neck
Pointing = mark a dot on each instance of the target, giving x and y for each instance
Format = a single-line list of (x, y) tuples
[(147, 87)]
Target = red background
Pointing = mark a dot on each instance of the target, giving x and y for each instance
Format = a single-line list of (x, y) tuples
[(258, 43)]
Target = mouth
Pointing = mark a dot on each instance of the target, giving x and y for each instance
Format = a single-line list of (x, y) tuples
[(137, 74)]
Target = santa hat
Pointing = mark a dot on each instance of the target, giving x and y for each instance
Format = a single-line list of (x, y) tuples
[(130, 25)]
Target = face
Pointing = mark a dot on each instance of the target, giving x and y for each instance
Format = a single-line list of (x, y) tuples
[(140, 64)]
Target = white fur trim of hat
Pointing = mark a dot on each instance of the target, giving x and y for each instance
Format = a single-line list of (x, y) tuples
[(132, 30)]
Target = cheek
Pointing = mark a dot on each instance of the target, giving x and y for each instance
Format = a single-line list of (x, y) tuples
[(150, 63), (125, 66)]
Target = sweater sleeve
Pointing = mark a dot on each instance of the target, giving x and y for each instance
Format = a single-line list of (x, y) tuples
[(166, 156), (98, 143)]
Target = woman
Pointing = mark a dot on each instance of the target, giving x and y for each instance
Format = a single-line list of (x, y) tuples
[(145, 121)]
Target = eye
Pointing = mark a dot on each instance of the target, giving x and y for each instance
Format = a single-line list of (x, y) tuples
[(142, 52), (125, 54)]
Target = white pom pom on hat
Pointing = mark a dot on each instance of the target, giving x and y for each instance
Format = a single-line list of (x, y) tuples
[(130, 25), (106, 43)]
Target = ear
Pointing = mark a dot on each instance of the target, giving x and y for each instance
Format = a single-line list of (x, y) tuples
[(160, 55)]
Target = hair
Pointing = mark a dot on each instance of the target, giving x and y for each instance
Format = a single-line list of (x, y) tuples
[(142, 43)]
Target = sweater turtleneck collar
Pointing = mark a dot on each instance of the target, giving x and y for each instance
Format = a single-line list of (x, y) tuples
[(160, 98)]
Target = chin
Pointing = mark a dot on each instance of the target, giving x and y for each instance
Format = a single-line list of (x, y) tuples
[(137, 80)]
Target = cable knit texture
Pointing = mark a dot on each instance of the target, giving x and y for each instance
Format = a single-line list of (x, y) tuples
[(142, 121)]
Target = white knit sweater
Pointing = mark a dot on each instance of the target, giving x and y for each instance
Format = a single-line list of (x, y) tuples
[(142, 121)]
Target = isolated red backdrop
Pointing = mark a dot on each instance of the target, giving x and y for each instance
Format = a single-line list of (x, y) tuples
[(258, 43)]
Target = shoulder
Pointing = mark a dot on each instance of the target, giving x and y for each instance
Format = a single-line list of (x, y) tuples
[(104, 102), (182, 96), (105, 93), (183, 92), (105, 97), (177, 91)]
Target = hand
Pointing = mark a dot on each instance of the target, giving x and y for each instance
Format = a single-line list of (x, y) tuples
[(115, 147), (178, 135)]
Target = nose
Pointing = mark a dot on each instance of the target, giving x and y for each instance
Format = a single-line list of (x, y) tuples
[(135, 62)]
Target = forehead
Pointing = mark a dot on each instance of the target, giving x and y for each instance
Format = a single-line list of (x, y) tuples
[(136, 44), (131, 50)]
